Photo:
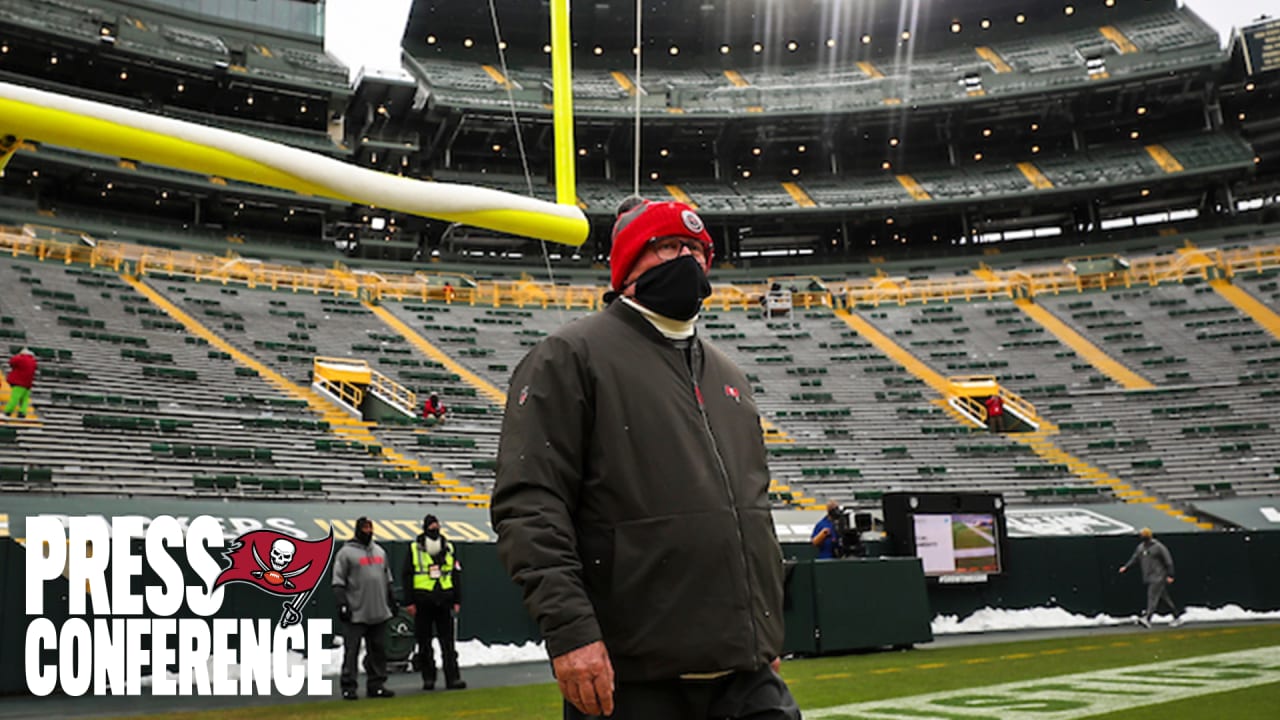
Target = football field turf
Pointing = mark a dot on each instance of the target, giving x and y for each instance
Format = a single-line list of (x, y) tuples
[(1203, 671)]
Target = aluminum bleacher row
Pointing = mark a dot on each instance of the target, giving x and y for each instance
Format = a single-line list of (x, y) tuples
[(1147, 44), (130, 401), (1097, 167)]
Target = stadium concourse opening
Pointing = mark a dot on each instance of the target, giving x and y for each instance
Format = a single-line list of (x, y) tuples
[(1072, 208)]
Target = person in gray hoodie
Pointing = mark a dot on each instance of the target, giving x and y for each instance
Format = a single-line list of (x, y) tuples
[(1157, 575), (363, 593)]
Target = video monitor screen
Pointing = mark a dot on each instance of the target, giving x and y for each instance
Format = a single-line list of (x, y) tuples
[(957, 543)]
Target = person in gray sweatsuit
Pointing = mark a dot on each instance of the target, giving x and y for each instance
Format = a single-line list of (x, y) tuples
[(1157, 575), (363, 593)]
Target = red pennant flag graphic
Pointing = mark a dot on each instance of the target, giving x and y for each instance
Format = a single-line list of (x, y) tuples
[(277, 563)]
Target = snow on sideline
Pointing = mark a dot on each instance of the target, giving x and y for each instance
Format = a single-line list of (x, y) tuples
[(1049, 618)]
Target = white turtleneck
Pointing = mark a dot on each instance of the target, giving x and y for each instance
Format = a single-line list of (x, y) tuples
[(670, 329)]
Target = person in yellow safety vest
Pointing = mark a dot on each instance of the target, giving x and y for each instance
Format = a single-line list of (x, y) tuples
[(433, 585)]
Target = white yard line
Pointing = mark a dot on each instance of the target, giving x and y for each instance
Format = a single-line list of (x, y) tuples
[(1081, 695)]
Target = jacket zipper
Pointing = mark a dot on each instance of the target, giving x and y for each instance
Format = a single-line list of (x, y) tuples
[(728, 487)]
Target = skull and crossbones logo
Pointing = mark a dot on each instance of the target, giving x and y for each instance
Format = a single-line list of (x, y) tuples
[(281, 554)]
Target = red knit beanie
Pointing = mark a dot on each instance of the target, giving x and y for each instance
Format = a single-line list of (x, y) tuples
[(638, 224)]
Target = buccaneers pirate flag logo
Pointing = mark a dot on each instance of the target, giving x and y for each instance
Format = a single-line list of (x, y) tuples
[(280, 565)]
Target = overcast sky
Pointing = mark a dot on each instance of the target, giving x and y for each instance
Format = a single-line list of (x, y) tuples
[(367, 32)]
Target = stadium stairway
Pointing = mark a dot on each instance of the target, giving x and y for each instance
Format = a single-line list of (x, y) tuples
[(1249, 305), (341, 423), (1095, 356), (1038, 441)]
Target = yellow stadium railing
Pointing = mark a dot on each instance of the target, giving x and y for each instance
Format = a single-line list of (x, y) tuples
[(50, 243)]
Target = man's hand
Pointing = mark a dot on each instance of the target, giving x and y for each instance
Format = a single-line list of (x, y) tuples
[(344, 613), (1169, 579), (586, 678), (457, 608), (1123, 569), (411, 609), (776, 665)]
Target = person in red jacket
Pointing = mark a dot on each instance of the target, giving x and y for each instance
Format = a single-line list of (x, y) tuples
[(995, 413), (22, 373), (433, 410)]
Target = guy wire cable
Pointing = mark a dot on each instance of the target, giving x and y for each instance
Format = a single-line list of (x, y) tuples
[(635, 188), (524, 158)]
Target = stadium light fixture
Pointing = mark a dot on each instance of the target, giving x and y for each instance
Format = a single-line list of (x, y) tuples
[(757, 48), (4, 48), (1035, 127), (1240, 117), (831, 42), (1069, 10), (792, 45), (1145, 192), (906, 34), (887, 221), (986, 23), (724, 49), (977, 157), (124, 74), (597, 50), (986, 132), (502, 44), (1249, 87), (653, 175), (249, 100), (53, 59), (756, 151), (802, 148), (181, 87), (302, 107), (955, 26), (1020, 18), (1035, 149), (866, 39), (431, 39), (546, 49), (886, 165), (1134, 135), (893, 142), (496, 147), (468, 42), (674, 50), (664, 152), (746, 174), (582, 152), (1110, 3), (1142, 109), (795, 172)]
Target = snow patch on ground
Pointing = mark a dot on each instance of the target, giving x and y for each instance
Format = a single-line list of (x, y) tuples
[(996, 619)]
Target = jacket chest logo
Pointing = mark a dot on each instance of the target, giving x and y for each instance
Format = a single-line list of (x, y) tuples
[(731, 391)]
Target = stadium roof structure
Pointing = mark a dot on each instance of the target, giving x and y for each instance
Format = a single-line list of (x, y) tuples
[(701, 28)]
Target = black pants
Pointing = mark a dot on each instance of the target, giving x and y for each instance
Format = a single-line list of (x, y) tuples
[(433, 618), (375, 657), (1157, 593), (759, 695)]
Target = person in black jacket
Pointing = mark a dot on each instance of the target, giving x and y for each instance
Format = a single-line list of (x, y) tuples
[(631, 501), (433, 586)]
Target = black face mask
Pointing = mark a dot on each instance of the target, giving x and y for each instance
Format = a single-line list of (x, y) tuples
[(433, 533), (675, 289), (363, 537)]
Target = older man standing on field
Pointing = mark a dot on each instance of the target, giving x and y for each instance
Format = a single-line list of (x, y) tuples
[(632, 497)]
